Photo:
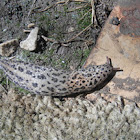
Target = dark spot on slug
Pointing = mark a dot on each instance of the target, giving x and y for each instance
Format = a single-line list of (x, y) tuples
[(54, 79), (56, 69), (97, 73), (11, 72), (34, 84), (15, 82), (42, 85), (76, 89), (83, 74), (34, 76), (45, 92), (37, 92), (51, 89), (20, 69), (56, 74), (104, 75), (63, 81), (13, 66), (64, 76), (41, 76), (57, 85), (43, 69), (79, 78), (83, 81), (63, 89), (74, 77), (6, 63), (50, 70), (82, 87), (30, 65), (19, 78), (48, 82), (23, 86), (95, 81), (102, 69), (28, 72), (27, 81), (48, 75), (89, 75), (90, 84), (77, 82), (98, 77), (70, 88), (61, 73), (37, 67)]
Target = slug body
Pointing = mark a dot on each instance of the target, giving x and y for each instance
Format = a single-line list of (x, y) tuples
[(52, 82)]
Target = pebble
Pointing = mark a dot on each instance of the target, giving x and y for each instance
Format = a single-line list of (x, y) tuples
[(8, 47), (30, 43), (31, 25)]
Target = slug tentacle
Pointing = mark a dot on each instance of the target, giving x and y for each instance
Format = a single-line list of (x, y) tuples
[(52, 82)]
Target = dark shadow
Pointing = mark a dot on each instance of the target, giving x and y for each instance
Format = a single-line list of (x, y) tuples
[(41, 43)]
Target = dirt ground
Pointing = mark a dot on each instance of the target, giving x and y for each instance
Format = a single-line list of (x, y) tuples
[(60, 22)]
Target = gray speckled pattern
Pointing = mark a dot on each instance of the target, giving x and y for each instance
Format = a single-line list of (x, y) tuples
[(52, 82)]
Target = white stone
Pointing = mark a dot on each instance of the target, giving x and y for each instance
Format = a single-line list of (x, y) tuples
[(70, 29), (31, 42), (8, 47)]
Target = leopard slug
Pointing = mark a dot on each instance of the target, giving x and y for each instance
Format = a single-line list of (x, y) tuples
[(52, 82)]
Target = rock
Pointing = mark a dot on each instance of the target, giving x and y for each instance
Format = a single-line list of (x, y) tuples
[(8, 47), (71, 29), (31, 42), (122, 45)]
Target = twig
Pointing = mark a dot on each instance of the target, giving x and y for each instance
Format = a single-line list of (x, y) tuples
[(93, 19), (85, 14), (67, 1), (26, 31), (61, 2), (3, 88), (46, 8), (32, 7), (77, 1), (54, 41), (12, 57), (78, 34), (48, 39), (77, 8), (68, 41)]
